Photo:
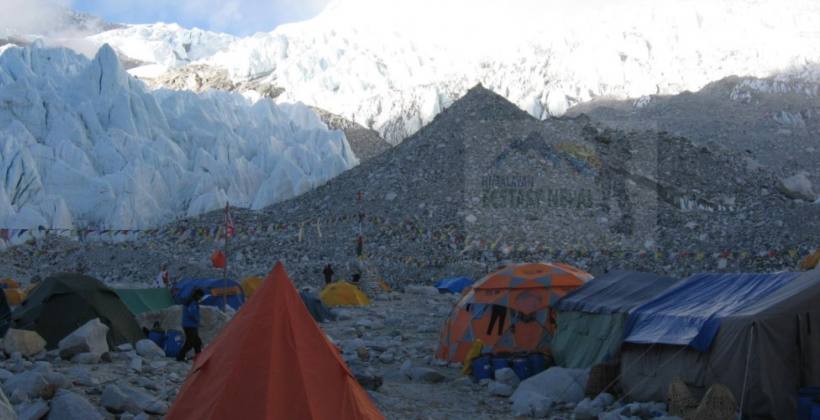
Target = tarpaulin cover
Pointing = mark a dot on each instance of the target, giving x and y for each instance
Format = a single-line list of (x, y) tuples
[(217, 291), (272, 361), (453, 284), (690, 313), (615, 292), (145, 300)]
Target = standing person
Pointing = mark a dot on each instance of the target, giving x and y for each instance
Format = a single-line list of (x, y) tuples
[(328, 272), (190, 324), (162, 279), (355, 271)]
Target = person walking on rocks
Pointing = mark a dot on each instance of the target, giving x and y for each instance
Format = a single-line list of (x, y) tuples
[(162, 279), (190, 324), (328, 273)]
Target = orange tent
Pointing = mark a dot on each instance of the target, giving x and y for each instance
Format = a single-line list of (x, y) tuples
[(272, 362), (508, 310)]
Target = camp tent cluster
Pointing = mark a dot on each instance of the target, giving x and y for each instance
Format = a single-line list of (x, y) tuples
[(750, 332)]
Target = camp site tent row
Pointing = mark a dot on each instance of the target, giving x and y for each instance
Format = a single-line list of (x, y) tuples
[(755, 333), (64, 302), (284, 355), (590, 320), (508, 310)]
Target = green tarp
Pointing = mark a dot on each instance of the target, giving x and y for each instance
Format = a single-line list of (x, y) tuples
[(145, 300), (583, 339)]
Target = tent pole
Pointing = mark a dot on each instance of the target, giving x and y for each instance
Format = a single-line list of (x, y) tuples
[(746, 372), (225, 268)]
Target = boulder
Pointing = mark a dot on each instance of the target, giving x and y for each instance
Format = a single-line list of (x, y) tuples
[(90, 338), (5, 374), (29, 384), (500, 389), (387, 357), (798, 187), (556, 384), (680, 399), (135, 364), (530, 404), (32, 410), (27, 343), (149, 349), (367, 378), (68, 405)]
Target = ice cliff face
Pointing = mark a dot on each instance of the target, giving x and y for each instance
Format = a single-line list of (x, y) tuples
[(392, 66), (83, 143)]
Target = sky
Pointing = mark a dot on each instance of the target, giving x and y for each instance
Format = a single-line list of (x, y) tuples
[(238, 17)]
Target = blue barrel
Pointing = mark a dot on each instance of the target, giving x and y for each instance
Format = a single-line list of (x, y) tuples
[(537, 362), (157, 337), (521, 366), (815, 409), (482, 368), (173, 342), (500, 362), (805, 399)]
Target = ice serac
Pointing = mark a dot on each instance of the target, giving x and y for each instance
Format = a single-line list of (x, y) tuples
[(392, 66), (85, 144)]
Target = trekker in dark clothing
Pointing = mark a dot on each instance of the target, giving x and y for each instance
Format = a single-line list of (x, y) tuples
[(328, 272), (499, 313), (190, 324)]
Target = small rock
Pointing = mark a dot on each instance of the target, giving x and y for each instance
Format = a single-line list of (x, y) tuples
[(68, 405), (363, 353), (387, 357), (390, 196), (81, 376), (587, 410), (530, 404), (4, 375), (33, 410), (57, 379), (500, 389), (125, 347), (507, 376), (424, 374), (30, 384), (798, 187), (149, 349), (135, 364), (87, 358)]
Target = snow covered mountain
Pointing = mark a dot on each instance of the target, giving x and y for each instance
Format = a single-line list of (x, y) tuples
[(82, 143), (392, 66)]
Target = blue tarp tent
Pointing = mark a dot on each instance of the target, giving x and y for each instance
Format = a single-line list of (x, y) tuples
[(690, 313), (453, 284), (590, 320), (217, 291), (764, 350)]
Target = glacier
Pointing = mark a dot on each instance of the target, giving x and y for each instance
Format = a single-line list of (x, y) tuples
[(84, 144), (392, 66)]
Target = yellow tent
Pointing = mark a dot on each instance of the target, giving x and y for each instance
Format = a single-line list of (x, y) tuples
[(14, 296), (250, 284), (810, 261), (343, 294)]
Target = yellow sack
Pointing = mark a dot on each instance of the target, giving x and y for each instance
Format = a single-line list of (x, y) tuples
[(475, 351), (810, 261)]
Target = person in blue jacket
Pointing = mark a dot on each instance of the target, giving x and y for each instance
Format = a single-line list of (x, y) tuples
[(190, 324)]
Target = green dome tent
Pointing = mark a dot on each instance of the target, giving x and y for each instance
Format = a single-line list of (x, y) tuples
[(64, 302)]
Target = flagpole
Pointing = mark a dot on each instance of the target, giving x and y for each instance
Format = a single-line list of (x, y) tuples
[(225, 268)]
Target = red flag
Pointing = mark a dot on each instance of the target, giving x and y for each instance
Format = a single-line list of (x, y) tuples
[(229, 229), (218, 259)]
